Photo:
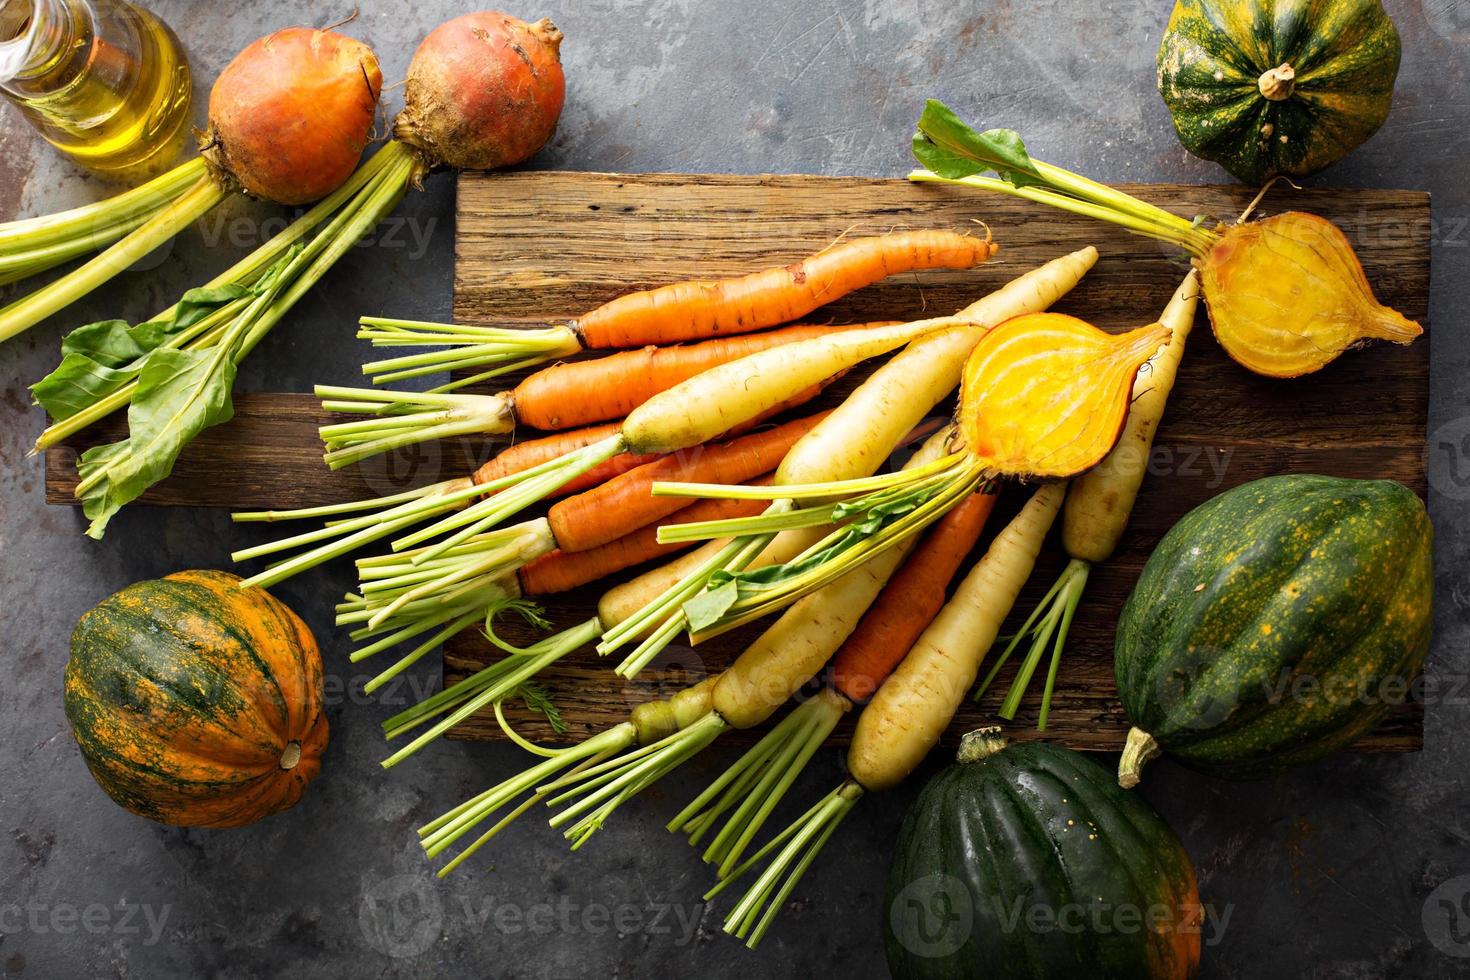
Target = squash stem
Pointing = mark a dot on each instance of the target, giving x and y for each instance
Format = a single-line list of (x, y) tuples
[(803, 841), (759, 780), (1138, 751)]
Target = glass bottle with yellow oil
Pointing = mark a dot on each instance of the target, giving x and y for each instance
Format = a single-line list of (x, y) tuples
[(103, 80)]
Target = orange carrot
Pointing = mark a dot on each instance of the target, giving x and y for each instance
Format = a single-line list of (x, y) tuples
[(532, 452), (604, 513), (704, 308), (911, 600), (564, 570), (594, 390)]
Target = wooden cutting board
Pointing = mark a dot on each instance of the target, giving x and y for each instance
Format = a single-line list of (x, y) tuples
[(546, 246)]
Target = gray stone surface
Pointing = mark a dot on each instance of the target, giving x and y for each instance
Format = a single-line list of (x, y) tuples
[(1330, 873)]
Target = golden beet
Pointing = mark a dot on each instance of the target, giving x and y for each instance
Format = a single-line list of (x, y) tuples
[(1287, 295), (1046, 395)]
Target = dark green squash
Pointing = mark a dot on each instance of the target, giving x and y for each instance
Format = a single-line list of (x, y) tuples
[(1277, 88), (1274, 624), (1029, 861), (196, 702)]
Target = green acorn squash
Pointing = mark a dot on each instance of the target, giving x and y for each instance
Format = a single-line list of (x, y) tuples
[(1029, 861), (1275, 624), (196, 702), (1277, 88)]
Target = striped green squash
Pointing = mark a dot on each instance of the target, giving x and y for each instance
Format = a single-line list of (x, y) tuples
[(1277, 88), (196, 702), (1275, 624)]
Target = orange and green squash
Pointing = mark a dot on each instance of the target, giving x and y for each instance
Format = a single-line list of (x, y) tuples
[(1274, 624), (195, 702), (1277, 88)]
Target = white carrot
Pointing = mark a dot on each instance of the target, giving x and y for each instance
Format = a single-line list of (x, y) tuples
[(789, 652), (914, 705)]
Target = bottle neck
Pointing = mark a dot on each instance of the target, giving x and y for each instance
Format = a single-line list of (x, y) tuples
[(35, 35)]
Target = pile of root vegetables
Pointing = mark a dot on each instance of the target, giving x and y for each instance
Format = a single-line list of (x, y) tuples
[(687, 444), (701, 440)]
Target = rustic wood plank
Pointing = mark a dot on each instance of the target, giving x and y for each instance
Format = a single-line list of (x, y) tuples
[(1364, 415), (539, 247), (269, 456)]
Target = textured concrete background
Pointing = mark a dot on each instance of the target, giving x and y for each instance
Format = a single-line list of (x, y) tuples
[(1358, 867)]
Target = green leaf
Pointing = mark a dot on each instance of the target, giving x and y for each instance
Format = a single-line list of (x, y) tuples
[(707, 607), (180, 394), (726, 588), (946, 145), (100, 358), (78, 383), (535, 699)]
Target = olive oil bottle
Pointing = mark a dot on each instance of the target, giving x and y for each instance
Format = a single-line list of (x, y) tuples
[(102, 80)]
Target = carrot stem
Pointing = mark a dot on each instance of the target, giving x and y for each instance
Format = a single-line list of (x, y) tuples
[(402, 511), (758, 781), (668, 607), (511, 494), (803, 840), (437, 835), (525, 668), (469, 346), (839, 553), (1046, 627), (639, 771)]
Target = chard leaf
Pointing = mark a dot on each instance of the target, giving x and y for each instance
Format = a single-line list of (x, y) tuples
[(946, 145), (180, 394), (99, 358), (78, 383)]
